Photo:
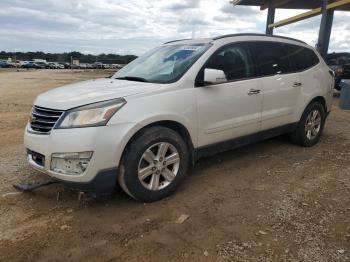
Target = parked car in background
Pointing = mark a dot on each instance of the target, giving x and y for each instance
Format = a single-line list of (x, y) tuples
[(22, 63), (28, 64), (13, 64), (41, 65), (182, 101), (340, 64), (74, 66), (32, 64), (52, 65), (98, 65), (6, 64), (83, 66), (55, 65), (66, 65)]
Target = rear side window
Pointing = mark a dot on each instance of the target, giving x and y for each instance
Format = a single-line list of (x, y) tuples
[(272, 58), (301, 58)]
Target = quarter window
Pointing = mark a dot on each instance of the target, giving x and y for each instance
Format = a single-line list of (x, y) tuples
[(301, 58)]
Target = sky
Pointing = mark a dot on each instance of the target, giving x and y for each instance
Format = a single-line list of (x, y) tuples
[(135, 26)]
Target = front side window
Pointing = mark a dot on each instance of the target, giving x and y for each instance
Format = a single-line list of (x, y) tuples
[(271, 58), (165, 64), (234, 60)]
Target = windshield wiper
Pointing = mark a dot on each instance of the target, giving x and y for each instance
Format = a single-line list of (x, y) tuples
[(133, 78)]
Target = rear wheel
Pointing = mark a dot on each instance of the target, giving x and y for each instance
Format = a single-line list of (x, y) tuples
[(153, 164), (310, 127)]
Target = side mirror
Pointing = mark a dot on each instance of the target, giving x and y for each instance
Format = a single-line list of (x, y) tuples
[(214, 76)]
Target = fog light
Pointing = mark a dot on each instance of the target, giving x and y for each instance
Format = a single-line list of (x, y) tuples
[(70, 163)]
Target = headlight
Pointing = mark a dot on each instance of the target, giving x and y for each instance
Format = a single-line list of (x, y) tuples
[(97, 114)]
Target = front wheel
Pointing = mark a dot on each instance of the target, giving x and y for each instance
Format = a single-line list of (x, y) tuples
[(153, 164), (310, 127)]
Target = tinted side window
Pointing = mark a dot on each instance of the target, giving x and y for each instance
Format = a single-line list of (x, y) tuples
[(301, 58), (235, 60), (272, 59)]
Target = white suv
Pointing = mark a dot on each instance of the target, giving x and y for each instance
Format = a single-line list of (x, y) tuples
[(184, 100)]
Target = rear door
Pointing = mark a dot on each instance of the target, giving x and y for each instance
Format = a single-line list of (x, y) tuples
[(281, 84), (231, 109)]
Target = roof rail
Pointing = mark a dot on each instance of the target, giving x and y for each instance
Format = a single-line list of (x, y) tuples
[(256, 34), (176, 40)]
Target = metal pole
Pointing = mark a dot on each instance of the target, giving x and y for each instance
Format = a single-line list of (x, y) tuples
[(270, 18), (325, 29)]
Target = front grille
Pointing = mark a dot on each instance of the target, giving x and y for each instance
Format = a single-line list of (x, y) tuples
[(44, 119)]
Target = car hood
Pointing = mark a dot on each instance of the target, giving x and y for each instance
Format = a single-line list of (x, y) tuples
[(87, 92)]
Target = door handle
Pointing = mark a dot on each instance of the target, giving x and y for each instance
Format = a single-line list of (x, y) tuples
[(254, 92), (296, 84)]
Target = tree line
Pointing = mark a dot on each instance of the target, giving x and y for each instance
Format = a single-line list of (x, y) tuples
[(66, 57)]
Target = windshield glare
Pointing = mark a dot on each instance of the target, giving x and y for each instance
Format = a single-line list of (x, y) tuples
[(165, 64)]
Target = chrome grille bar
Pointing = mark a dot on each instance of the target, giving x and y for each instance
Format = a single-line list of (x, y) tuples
[(44, 119)]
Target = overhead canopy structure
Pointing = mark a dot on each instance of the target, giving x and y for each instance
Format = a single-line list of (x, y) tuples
[(324, 7), (287, 4)]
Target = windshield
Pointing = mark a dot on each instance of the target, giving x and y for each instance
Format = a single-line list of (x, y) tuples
[(165, 64)]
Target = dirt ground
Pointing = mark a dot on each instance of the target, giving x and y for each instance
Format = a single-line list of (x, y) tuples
[(271, 201)]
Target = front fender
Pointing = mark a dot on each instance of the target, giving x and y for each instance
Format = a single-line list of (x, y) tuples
[(136, 127)]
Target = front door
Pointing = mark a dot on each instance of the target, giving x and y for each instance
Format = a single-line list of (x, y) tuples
[(231, 109)]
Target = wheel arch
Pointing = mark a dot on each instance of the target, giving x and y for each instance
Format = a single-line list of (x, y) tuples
[(321, 100), (302, 107), (171, 124)]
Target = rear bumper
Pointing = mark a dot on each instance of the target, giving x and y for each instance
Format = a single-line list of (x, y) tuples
[(337, 83)]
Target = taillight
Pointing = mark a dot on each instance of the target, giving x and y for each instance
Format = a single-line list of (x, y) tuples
[(339, 71)]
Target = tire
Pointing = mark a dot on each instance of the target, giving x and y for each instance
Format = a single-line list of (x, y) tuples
[(308, 134), (147, 176)]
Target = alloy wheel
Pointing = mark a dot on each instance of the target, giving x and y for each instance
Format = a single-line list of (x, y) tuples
[(313, 124), (158, 166)]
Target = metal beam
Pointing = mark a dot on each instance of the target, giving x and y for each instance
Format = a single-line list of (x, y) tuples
[(287, 4), (296, 18), (235, 2), (270, 18), (311, 13), (325, 29)]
